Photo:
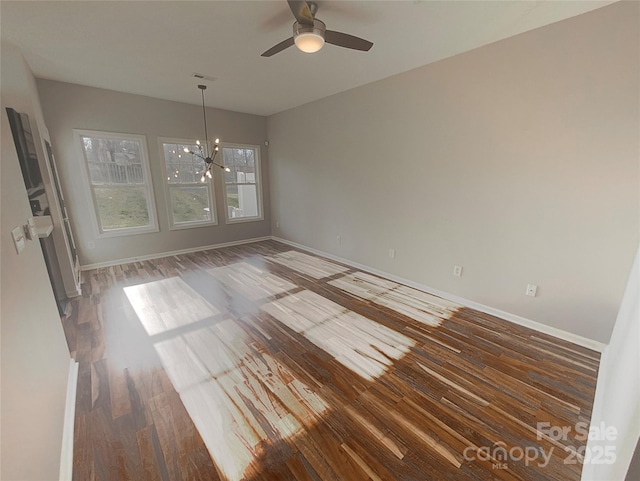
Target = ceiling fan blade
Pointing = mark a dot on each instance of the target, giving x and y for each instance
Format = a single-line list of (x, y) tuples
[(278, 48), (348, 41), (301, 11)]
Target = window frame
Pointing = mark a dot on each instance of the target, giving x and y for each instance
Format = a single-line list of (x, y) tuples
[(258, 183), (90, 188), (167, 188)]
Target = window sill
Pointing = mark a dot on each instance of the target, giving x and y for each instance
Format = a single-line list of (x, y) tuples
[(240, 220), (127, 231), (192, 225)]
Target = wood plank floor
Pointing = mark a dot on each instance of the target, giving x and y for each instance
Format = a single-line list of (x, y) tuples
[(261, 362)]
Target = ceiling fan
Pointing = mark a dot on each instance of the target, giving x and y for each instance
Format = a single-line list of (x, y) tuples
[(310, 34)]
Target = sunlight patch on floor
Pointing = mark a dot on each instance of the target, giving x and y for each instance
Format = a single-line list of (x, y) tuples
[(418, 305), (167, 304), (251, 281), (306, 264), (241, 399), (360, 344)]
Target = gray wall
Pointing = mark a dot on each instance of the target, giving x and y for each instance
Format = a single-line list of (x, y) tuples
[(35, 358), (517, 161), (68, 106)]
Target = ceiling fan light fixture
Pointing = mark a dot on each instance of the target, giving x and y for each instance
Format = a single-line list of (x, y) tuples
[(309, 42), (310, 34), (309, 38)]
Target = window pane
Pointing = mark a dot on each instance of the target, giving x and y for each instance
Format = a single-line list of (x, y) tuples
[(242, 201), (99, 173), (122, 193), (241, 163), (113, 161), (190, 204), (122, 207), (182, 167), (135, 174)]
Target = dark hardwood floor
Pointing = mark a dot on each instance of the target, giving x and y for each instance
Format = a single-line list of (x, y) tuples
[(260, 362)]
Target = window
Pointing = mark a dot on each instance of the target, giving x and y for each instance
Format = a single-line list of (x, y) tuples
[(191, 202), (119, 181), (243, 193)]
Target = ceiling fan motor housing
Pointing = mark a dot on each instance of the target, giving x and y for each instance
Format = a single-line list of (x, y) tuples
[(309, 38)]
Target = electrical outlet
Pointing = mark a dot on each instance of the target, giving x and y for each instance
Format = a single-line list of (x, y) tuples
[(532, 290), (457, 271), (277, 224), (392, 253), (338, 240)]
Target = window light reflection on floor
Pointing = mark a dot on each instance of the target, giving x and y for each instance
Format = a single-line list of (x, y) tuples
[(251, 281), (167, 304), (360, 344), (222, 377), (223, 382), (418, 305), (308, 265)]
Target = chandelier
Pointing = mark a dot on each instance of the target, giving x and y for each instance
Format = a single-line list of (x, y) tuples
[(203, 153)]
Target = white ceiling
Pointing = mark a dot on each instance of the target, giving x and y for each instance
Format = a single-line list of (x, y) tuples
[(153, 48)]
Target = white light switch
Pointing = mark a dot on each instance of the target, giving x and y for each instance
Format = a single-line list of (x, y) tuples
[(457, 271), (18, 238)]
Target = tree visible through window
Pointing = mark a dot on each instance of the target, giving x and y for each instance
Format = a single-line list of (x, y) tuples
[(242, 183), (119, 180)]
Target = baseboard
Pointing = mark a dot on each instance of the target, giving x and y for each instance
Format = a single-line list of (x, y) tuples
[(159, 255), (66, 454), (522, 321)]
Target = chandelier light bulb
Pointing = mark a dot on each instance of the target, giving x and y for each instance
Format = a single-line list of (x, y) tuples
[(209, 174), (217, 141), (227, 169), (186, 149), (202, 179)]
